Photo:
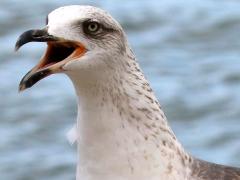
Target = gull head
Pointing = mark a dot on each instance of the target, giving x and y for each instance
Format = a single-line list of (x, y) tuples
[(80, 40)]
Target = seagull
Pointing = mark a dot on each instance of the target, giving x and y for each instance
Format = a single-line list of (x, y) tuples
[(121, 131)]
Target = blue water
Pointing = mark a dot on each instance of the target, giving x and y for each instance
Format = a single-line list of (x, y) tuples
[(189, 51)]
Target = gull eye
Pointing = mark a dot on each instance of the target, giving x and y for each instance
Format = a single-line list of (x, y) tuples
[(91, 27)]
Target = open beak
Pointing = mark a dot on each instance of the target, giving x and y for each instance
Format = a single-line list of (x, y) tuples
[(59, 52)]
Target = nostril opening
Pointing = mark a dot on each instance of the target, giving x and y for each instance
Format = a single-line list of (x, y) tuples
[(39, 33), (35, 35)]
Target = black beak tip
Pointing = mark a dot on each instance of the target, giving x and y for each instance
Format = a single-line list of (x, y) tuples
[(18, 44), (21, 88), (16, 48), (32, 78), (24, 84), (23, 39), (34, 35)]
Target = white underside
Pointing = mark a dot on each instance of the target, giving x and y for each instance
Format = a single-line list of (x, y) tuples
[(107, 151), (83, 174)]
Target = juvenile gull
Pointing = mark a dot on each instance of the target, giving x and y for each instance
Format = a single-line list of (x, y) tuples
[(121, 132)]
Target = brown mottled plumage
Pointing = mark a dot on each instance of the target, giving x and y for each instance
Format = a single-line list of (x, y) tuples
[(202, 170)]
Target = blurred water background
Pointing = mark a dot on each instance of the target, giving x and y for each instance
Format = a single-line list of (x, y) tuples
[(188, 49)]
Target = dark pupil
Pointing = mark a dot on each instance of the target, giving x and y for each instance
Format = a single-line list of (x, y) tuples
[(93, 27)]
